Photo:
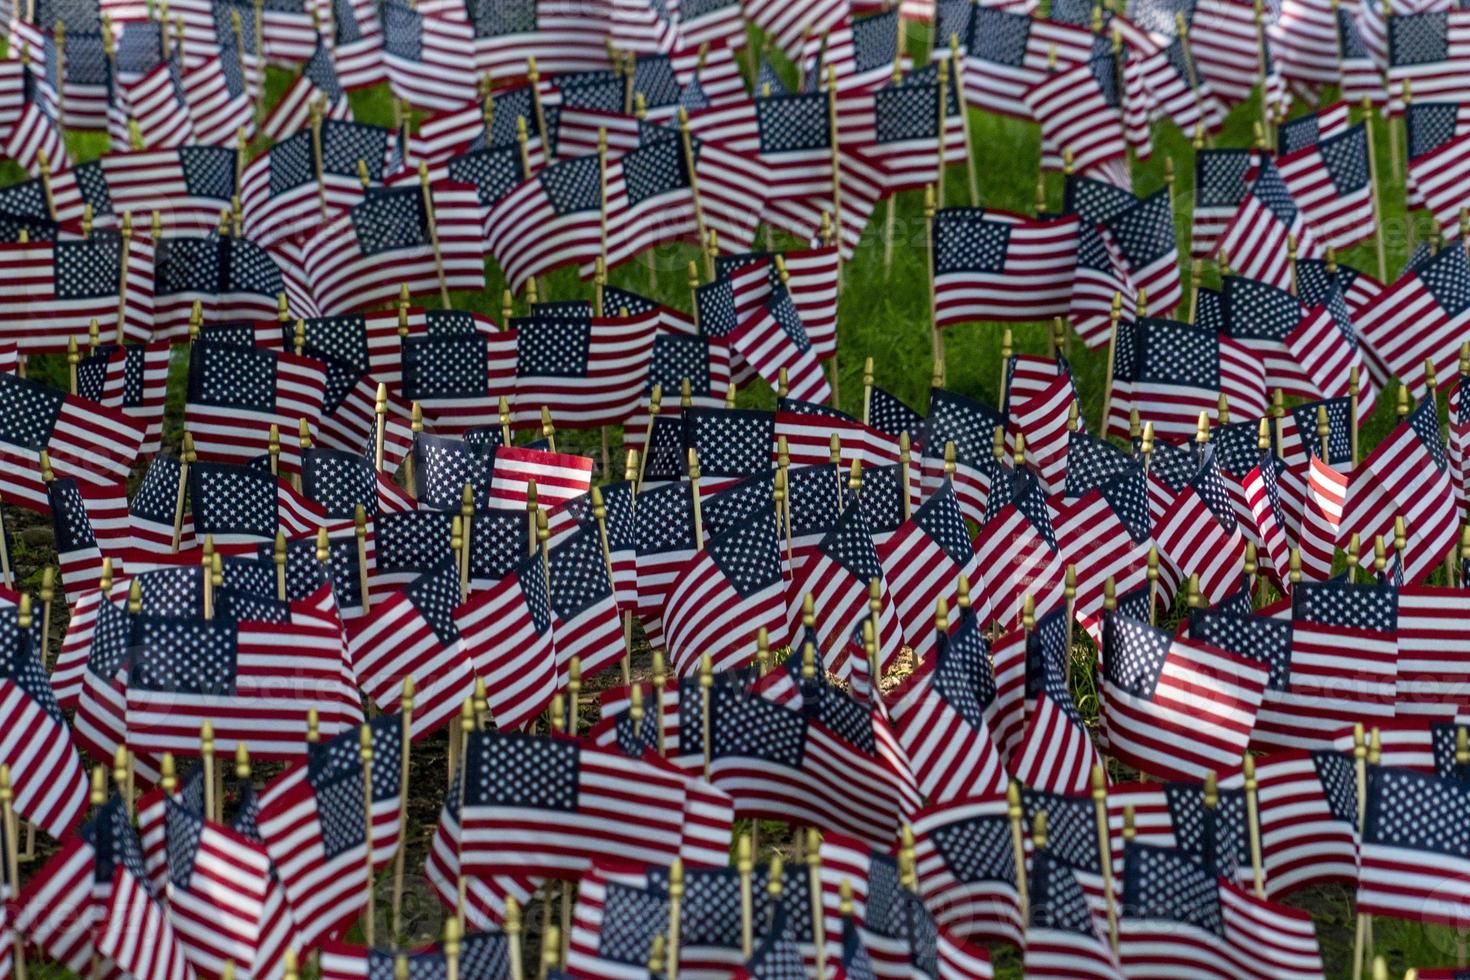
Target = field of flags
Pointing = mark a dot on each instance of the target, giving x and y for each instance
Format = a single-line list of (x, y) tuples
[(396, 470)]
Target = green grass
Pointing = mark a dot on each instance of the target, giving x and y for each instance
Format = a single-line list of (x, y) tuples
[(884, 314)]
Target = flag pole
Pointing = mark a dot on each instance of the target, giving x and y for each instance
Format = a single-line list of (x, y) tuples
[(1353, 410), (531, 515), (1253, 817), (890, 210), (659, 679), (694, 496), (1191, 73), (930, 209), (1007, 348), (533, 75), (744, 865), (1360, 766), (1115, 314), (1018, 846), (467, 517), (676, 897), (1373, 186), (12, 869), (836, 167), (186, 459), (433, 223), (813, 859), (655, 400), (706, 685), (365, 753), (315, 109), (599, 514), (688, 147), (1104, 845), (956, 70), (122, 275)]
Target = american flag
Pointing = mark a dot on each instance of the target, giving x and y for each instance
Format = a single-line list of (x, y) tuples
[(241, 506), (458, 379), (156, 103), (788, 24), (1329, 181), (1326, 345), (312, 820), (62, 904), (279, 193), (62, 286), (811, 281), (410, 543), (1019, 656), (1142, 235), (966, 870), (94, 445), (1411, 855), (1268, 526), (1176, 909), (1007, 51), (1428, 50), (994, 266), (36, 129), (728, 590), (223, 899), (442, 469), (480, 954), (1199, 531), (506, 632), (188, 186), (664, 534), (561, 39), (237, 393), (730, 443), (133, 378), (585, 621), (899, 128), (970, 425), (134, 931), (772, 339), (1040, 418), (88, 521), (388, 240), (1225, 46), (838, 576), (1359, 76), (1062, 937), (1430, 678), (1078, 109), (1309, 820), (551, 220), (1419, 317), (703, 361), (425, 56), (318, 81), (1314, 689), (589, 372), (1321, 518), (941, 717), (559, 477), (1171, 371), (815, 758), (235, 675), (46, 774), (617, 915), (1219, 188), (1304, 41), (220, 91), (1257, 238), (1406, 476), (1017, 551), (230, 279), (1309, 130), (1176, 707), (413, 634), (355, 37), (552, 806), (922, 562)]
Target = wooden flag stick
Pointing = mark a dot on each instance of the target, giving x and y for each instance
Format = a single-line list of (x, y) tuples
[(1373, 189), (359, 520), (1018, 846), (1191, 74), (467, 519), (428, 195), (316, 154), (1104, 848), (12, 863), (599, 514), (1253, 819), (206, 755), (513, 937), (676, 900), (706, 686), (956, 70), (930, 209), (1360, 767), (836, 167), (122, 274), (814, 890), (688, 146), (533, 75), (365, 753), (659, 679), (48, 596), (695, 498), (744, 865)]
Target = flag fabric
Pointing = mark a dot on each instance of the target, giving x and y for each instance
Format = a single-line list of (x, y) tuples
[(1062, 937), (134, 931), (1406, 476), (515, 654), (772, 340), (62, 286), (313, 820), (588, 373), (237, 393), (1007, 51), (388, 240), (412, 634), (1256, 239), (1199, 531), (1418, 317), (992, 266), (1329, 180), (1078, 110), (923, 562), (82, 439), (425, 56), (1018, 553), (1426, 50), (88, 521), (1154, 684), (726, 591), (242, 506), (967, 870), (1220, 185), (1142, 233), (551, 220), (318, 82), (1410, 861)]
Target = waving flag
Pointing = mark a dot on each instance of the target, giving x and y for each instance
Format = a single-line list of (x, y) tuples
[(1330, 181), (1155, 685), (923, 562), (588, 372), (992, 266), (237, 393)]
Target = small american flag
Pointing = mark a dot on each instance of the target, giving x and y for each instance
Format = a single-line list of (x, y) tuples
[(1420, 316), (94, 445), (1406, 476), (1055, 753), (413, 634), (993, 266), (230, 279), (561, 39), (1219, 188), (506, 631), (1143, 236), (156, 102), (552, 806), (1062, 937), (967, 870), (1176, 707), (242, 506), (318, 81), (88, 520), (367, 254), (459, 378), (1257, 237), (1330, 182), (588, 372), (1199, 531), (664, 535), (922, 562), (134, 930), (1078, 109), (235, 675), (586, 622), (1174, 908), (425, 57), (941, 717), (1171, 371), (1309, 829), (1427, 50), (1017, 551), (45, 771), (1413, 846), (773, 339), (1008, 51), (63, 286), (224, 901), (724, 594), (311, 819), (237, 393), (970, 425), (551, 220)]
